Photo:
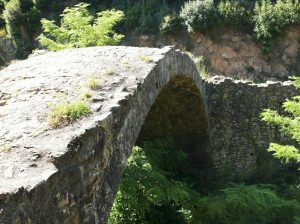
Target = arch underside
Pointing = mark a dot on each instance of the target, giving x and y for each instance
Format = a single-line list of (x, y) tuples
[(179, 114)]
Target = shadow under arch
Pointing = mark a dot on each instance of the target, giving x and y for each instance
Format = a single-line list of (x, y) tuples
[(179, 113)]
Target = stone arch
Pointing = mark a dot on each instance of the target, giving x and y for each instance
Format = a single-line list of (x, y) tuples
[(82, 164), (179, 113), (174, 79)]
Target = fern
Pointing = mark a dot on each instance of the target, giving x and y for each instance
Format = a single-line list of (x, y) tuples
[(148, 191), (289, 125)]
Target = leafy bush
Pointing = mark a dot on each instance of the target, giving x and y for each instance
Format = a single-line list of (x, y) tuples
[(170, 24), (270, 19), (232, 13), (79, 29), (199, 15)]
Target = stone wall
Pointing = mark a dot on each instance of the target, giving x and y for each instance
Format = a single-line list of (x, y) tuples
[(237, 132), (71, 174)]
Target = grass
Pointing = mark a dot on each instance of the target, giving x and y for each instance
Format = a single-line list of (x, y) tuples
[(63, 114), (145, 58), (86, 95), (93, 83), (200, 64), (109, 71)]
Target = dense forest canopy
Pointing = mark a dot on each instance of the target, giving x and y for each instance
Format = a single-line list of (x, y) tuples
[(264, 19)]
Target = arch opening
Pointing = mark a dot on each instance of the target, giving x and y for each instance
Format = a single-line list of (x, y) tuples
[(179, 114), (173, 147)]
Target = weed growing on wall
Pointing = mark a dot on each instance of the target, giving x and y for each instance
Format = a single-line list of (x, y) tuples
[(65, 113)]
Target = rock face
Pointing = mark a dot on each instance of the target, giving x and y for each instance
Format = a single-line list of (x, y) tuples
[(235, 54), (71, 174), (7, 51)]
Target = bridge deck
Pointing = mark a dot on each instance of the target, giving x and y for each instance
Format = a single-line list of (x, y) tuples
[(28, 145)]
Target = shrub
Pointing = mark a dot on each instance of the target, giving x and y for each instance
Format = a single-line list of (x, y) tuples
[(79, 29), (170, 24), (233, 14), (270, 19), (62, 114), (143, 16), (199, 15), (151, 17)]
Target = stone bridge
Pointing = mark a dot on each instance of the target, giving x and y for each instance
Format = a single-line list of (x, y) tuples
[(71, 174)]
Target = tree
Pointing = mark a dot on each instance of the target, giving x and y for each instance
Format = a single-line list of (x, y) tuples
[(289, 125), (80, 29)]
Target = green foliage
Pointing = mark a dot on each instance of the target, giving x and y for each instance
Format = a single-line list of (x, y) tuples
[(143, 16), (62, 114), (243, 204), (94, 83), (270, 19), (171, 24), (151, 194), (200, 64), (266, 19), (199, 15), (86, 95), (289, 125), (145, 186), (79, 29), (232, 13)]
